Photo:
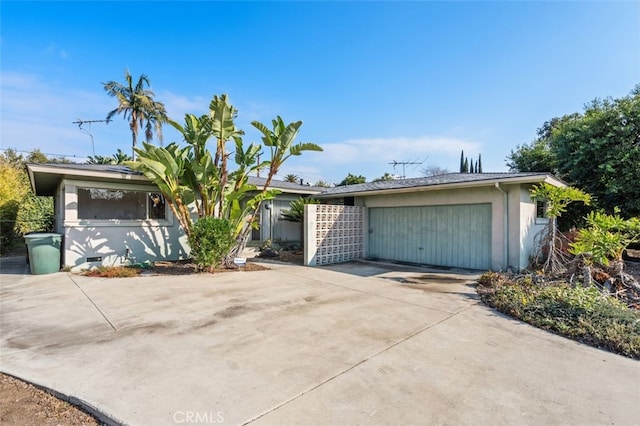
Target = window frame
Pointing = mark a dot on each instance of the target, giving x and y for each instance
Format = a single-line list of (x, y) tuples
[(71, 205), (541, 219)]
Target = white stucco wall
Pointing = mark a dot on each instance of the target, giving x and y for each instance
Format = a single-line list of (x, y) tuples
[(530, 227), (501, 207), (109, 239)]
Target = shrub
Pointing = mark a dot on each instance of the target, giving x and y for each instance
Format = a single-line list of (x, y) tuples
[(606, 237), (580, 313), (35, 214), (211, 240), (21, 211)]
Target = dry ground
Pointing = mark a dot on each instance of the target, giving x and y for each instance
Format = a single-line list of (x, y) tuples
[(26, 405)]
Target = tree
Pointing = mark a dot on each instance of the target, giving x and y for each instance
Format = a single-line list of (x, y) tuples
[(384, 178), (470, 166), (136, 104), (537, 155), (118, 158), (556, 200), (36, 156), (194, 175), (322, 184), (13, 189), (434, 170), (533, 157), (597, 151), (99, 159), (21, 211), (291, 178), (352, 180)]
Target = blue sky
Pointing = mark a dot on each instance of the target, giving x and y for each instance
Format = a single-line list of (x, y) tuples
[(374, 82)]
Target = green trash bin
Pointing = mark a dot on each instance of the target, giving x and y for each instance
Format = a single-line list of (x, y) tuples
[(44, 252)]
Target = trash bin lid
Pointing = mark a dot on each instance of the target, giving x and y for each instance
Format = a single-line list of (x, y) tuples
[(42, 235)]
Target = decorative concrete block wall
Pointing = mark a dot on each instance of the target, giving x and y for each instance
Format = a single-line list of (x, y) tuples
[(333, 234)]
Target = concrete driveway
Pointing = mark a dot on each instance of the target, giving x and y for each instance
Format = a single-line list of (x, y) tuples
[(358, 343)]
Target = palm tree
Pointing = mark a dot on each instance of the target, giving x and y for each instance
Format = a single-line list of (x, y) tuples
[(120, 157), (99, 159), (291, 178), (137, 105)]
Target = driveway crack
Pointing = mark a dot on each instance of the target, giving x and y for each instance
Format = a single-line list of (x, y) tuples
[(370, 357), (93, 303)]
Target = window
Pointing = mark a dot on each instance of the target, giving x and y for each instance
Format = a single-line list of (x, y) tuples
[(541, 211), (106, 204)]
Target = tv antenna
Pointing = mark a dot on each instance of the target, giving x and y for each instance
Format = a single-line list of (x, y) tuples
[(80, 123), (404, 164)]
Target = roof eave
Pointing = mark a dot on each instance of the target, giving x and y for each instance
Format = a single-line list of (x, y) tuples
[(36, 170), (454, 185), (297, 191)]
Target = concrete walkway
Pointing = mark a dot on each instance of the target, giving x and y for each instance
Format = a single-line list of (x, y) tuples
[(348, 344)]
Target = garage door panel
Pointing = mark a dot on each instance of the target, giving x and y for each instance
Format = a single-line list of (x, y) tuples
[(456, 235)]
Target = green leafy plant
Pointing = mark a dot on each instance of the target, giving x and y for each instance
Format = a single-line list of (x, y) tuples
[(137, 105), (211, 239), (556, 200), (580, 313), (195, 176), (296, 209), (21, 211), (352, 180), (606, 237)]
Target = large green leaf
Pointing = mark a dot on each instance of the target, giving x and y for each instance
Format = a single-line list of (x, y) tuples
[(268, 138), (306, 146), (288, 135)]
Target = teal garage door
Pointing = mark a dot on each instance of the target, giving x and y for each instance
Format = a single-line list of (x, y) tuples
[(455, 236)]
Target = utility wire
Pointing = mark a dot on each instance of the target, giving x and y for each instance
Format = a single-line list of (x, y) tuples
[(48, 154)]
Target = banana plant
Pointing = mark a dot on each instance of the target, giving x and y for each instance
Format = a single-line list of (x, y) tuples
[(222, 115), (193, 175), (165, 167), (280, 142), (200, 173)]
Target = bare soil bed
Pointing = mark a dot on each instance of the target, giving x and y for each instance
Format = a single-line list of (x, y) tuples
[(186, 267), (26, 405)]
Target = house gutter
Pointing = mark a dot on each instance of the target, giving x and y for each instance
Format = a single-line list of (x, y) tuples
[(444, 186), (505, 206)]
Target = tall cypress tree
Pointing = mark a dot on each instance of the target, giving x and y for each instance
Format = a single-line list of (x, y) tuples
[(479, 168), (462, 161), (465, 167)]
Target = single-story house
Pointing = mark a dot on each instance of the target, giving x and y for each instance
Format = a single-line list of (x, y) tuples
[(474, 221), (110, 214)]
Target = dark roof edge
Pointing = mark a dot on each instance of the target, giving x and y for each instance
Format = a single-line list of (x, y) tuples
[(534, 177)]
